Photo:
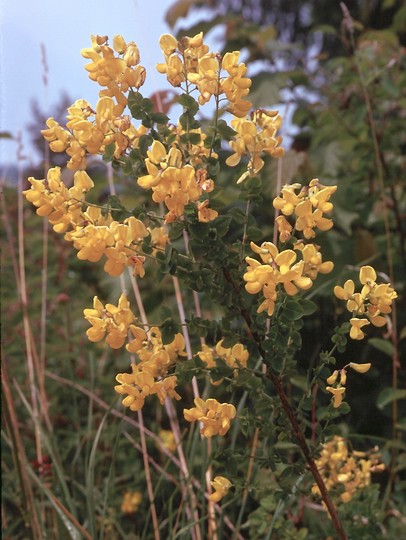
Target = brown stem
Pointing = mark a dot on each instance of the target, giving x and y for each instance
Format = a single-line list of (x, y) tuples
[(277, 382)]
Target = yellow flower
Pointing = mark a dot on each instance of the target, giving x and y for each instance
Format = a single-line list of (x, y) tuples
[(221, 486), (284, 228), (235, 357), (356, 325), (132, 55), (111, 320), (361, 368), (204, 213), (215, 417), (350, 471), (333, 377), (308, 206), (289, 200), (131, 501), (168, 44), (281, 268), (307, 219), (166, 388), (313, 261), (374, 301), (337, 395), (139, 337), (62, 206), (119, 45), (253, 139), (168, 439), (137, 385)]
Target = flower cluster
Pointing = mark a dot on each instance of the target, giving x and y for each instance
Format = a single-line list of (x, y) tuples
[(279, 268), (116, 73), (254, 137), (111, 321), (62, 206), (155, 357), (345, 470), (215, 417), (313, 260), (235, 357), (308, 204), (140, 384), (221, 487), (175, 183), (90, 131), (190, 61), (338, 379), (371, 305), (93, 233), (150, 375), (118, 242)]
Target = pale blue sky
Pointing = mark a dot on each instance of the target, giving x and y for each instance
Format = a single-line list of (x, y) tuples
[(64, 28)]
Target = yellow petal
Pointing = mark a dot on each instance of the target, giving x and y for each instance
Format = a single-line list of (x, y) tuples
[(361, 368)]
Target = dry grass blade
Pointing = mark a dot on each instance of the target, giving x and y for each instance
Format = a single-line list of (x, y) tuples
[(19, 456)]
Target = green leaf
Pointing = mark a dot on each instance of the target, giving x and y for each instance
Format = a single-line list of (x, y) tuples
[(144, 143), (134, 104), (118, 211), (189, 104), (109, 152), (176, 230), (147, 105), (168, 330), (266, 88), (292, 310), (300, 382), (388, 395), (221, 224), (225, 130), (308, 306), (159, 118), (254, 234), (237, 214), (382, 345), (165, 313), (192, 138)]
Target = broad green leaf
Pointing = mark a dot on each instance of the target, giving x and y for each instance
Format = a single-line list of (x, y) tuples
[(382, 345), (388, 395)]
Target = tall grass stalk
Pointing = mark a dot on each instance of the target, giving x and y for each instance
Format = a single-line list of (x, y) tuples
[(173, 419), (31, 366), (12, 426)]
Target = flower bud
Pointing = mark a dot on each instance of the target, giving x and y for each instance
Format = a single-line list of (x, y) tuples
[(119, 45), (132, 55)]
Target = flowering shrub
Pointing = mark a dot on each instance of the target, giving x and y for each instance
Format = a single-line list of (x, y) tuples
[(242, 348)]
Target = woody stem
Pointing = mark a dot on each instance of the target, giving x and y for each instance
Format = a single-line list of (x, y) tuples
[(300, 438)]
